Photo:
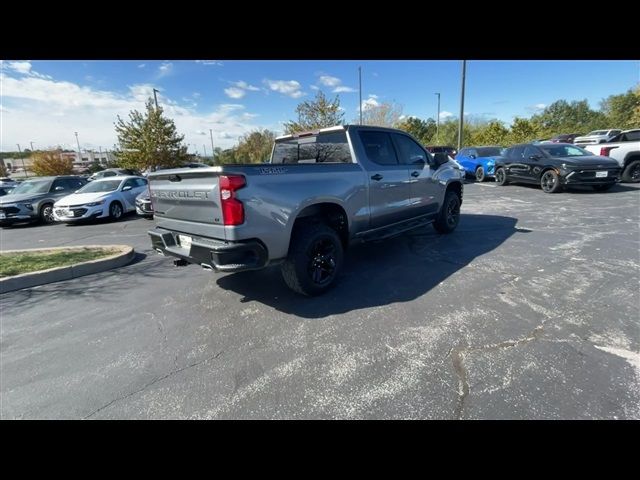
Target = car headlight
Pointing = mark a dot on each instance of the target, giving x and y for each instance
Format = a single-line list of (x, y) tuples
[(94, 204), (27, 204)]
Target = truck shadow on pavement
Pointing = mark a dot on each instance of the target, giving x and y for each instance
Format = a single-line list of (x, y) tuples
[(400, 269)]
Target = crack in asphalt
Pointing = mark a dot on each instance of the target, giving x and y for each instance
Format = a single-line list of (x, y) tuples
[(156, 380), (457, 358)]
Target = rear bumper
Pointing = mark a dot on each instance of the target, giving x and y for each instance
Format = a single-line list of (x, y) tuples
[(219, 254)]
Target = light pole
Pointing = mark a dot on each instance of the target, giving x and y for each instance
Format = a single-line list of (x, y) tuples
[(155, 97), (31, 146), (438, 118), (23, 167), (213, 152), (461, 122), (360, 91), (205, 150), (79, 152)]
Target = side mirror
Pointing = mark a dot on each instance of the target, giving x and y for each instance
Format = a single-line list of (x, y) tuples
[(416, 159), (126, 188), (472, 156), (59, 189), (440, 159)]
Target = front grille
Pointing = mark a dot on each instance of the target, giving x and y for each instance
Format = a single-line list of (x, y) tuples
[(590, 175), (9, 210)]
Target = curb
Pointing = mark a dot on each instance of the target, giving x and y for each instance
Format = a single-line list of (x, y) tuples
[(58, 274)]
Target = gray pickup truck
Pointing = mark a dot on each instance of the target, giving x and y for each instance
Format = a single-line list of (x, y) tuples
[(321, 192)]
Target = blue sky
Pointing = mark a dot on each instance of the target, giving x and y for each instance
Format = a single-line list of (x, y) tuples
[(45, 102)]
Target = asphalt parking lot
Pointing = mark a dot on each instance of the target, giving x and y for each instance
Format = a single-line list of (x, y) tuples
[(530, 310)]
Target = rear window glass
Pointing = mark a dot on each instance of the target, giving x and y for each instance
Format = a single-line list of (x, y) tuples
[(489, 151), (323, 148)]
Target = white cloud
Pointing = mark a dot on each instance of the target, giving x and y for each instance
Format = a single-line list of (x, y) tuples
[(233, 92), (290, 88), (371, 95), (539, 106), (444, 115), (314, 87), (245, 86), (210, 62), (329, 81), (142, 65), (54, 109), (370, 102), (20, 67), (165, 69), (344, 89)]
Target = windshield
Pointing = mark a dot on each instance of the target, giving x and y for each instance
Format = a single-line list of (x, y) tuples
[(489, 151), (102, 186), (33, 186), (564, 150), (598, 132)]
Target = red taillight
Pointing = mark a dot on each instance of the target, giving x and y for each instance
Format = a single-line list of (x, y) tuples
[(604, 151), (232, 208)]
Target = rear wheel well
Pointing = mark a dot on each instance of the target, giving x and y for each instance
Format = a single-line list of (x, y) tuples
[(455, 187), (631, 158), (330, 214)]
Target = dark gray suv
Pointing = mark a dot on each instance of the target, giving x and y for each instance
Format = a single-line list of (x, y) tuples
[(32, 200)]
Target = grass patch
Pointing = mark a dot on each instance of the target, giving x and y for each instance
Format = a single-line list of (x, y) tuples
[(17, 263)]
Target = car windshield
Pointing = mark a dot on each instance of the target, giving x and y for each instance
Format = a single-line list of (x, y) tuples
[(101, 186), (598, 132), (32, 186), (564, 150), (489, 151)]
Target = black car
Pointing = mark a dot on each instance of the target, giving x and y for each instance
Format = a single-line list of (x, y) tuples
[(452, 152), (554, 165), (565, 138)]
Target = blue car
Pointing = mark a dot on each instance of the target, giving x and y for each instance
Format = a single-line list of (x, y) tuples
[(479, 161)]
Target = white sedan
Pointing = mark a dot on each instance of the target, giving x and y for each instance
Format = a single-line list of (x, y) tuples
[(109, 197)]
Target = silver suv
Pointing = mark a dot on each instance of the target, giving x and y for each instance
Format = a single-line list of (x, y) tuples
[(32, 200)]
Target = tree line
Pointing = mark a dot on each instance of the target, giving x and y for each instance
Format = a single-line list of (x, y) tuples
[(149, 139)]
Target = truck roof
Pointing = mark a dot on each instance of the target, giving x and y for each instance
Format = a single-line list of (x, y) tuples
[(333, 129)]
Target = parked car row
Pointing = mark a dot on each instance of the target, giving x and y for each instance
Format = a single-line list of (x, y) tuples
[(70, 199)]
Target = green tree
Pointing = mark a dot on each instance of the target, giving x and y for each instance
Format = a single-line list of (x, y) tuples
[(384, 115), (423, 130), (568, 117), (45, 163), (227, 156), (635, 116), (3, 170), (523, 130), (149, 140), (255, 146), (620, 109), (490, 133), (318, 113)]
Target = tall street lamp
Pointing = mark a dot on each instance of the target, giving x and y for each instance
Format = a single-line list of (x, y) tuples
[(438, 118)]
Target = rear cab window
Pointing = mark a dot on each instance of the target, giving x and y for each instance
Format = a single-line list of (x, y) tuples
[(329, 147)]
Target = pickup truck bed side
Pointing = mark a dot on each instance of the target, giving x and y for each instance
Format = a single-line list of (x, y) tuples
[(627, 154)]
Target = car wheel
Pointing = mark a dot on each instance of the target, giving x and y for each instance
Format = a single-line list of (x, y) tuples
[(46, 213), (603, 188), (501, 176), (480, 176), (449, 215), (550, 182), (115, 211), (314, 260), (632, 172)]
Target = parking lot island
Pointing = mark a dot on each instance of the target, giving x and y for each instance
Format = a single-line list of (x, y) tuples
[(117, 256)]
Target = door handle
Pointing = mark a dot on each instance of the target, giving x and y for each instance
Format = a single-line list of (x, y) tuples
[(415, 174), (377, 177)]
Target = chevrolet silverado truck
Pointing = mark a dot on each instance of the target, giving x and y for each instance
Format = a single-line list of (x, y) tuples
[(321, 192), (624, 149)]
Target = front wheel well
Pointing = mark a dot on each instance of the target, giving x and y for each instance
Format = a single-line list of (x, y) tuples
[(330, 214), (455, 187)]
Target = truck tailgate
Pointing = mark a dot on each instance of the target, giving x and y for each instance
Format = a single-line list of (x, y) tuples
[(188, 200)]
